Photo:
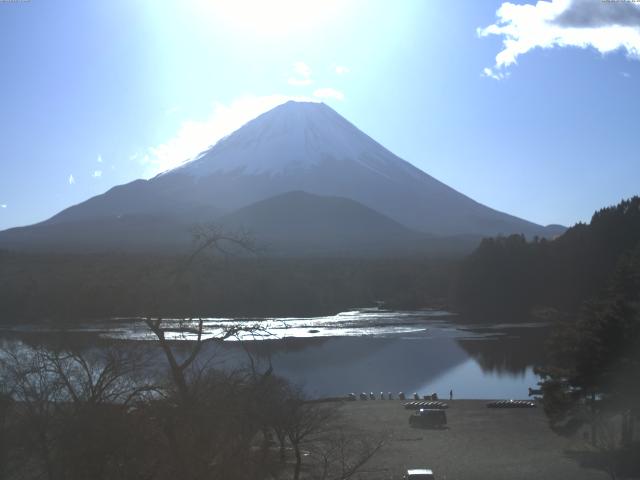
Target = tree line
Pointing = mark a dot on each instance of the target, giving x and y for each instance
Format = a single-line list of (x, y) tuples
[(510, 276), (590, 378), (591, 382), (65, 287)]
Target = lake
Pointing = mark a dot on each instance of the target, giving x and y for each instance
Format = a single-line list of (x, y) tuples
[(364, 350)]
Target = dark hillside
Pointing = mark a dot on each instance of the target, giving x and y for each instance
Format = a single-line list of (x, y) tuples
[(60, 288), (510, 275)]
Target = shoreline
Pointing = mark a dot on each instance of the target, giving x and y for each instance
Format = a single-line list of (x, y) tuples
[(478, 443)]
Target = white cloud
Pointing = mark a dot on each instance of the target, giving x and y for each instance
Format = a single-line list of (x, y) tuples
[(97, 174), (603, 25), (71, 180), (329, 93), (3, 205), (625, 74), (341, 70), (195, 136), (99, 158), (302, 75), (302, 69), (496, 75)]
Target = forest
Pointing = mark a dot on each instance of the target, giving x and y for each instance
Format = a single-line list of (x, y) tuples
[(504, 277), (510, 276), (64, 288), (591, 380), (590, 278)]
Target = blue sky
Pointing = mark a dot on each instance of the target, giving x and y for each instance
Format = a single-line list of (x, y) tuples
[(544, 126)]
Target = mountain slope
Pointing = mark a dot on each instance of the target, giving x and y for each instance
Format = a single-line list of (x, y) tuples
[(125, 233), (299, 223), (309, 147), (294, 147)]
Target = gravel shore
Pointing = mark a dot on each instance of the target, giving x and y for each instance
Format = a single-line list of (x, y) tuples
[(478, 443)]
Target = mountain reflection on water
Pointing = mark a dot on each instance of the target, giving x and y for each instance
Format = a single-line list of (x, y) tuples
[(335, 366), (423, 351)]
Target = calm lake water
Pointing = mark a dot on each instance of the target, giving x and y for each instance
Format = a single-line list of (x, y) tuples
[(367, 350)]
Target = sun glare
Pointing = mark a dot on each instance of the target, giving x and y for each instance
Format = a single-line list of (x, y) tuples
[(274, 18)]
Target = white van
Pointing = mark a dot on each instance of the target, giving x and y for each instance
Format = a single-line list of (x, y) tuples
[(419, 474)]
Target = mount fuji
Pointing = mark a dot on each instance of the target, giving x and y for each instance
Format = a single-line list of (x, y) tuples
[(347, 189)]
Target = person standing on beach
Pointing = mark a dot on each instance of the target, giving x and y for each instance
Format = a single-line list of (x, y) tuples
[(451, 394)]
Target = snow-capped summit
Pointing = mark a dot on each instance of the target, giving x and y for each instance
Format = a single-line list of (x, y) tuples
[(294, 135)]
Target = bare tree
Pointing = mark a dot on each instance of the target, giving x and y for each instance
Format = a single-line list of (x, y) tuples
[(211, 238), (342, 454), (216, 416), (109, 378), (605, 440), (302, 422), (24, 374), (6, 404), (99, 413), (334, 453), (178, 367), (72, 412)]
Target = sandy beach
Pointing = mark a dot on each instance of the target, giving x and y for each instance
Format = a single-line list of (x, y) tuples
[(479, 443)]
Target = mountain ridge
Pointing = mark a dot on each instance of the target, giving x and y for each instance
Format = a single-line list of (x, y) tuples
[(294, 147)]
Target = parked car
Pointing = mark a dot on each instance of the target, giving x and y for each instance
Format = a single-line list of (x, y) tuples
[(419, 474), (428, 418)]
